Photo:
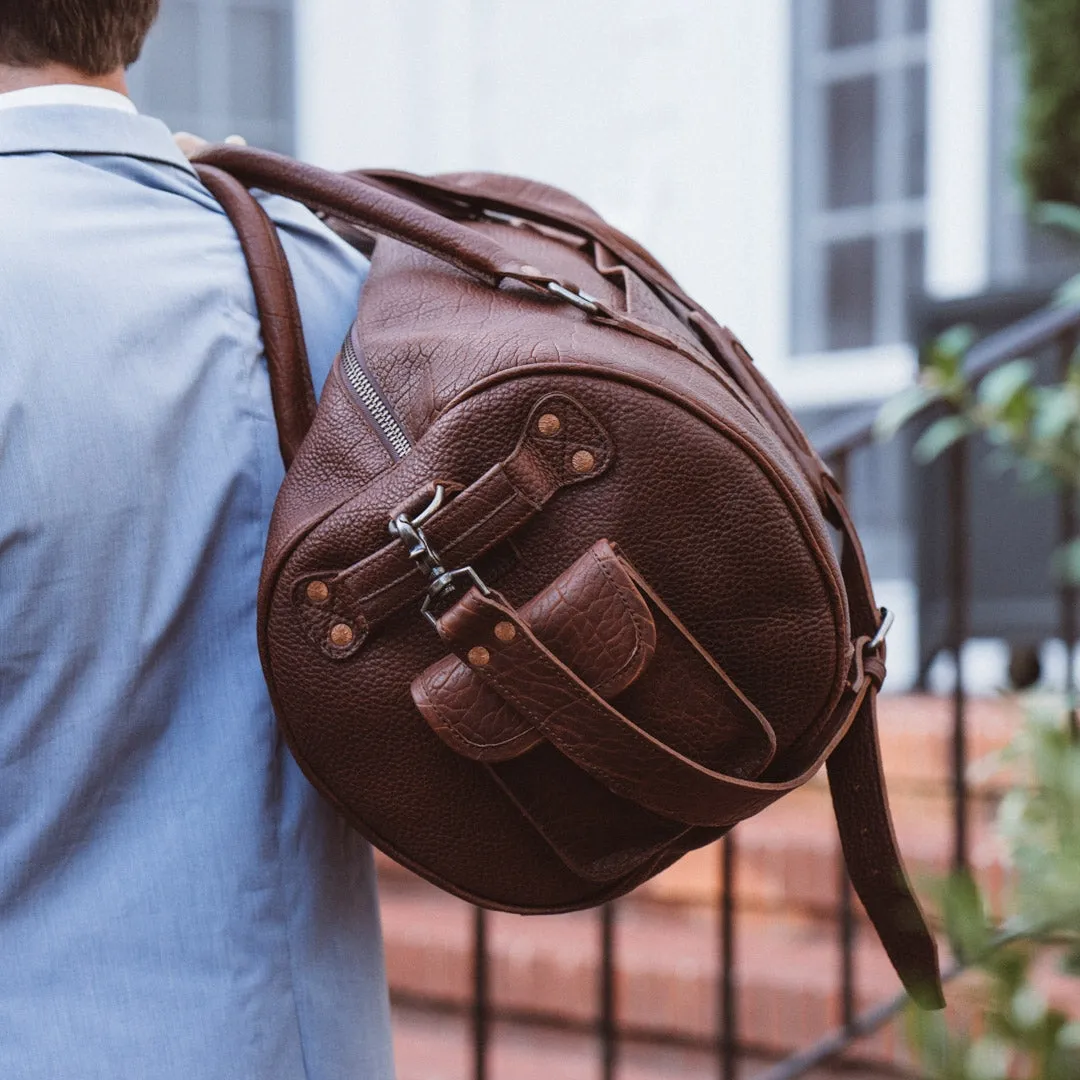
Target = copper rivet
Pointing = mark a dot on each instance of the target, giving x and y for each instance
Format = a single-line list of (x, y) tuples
[(318, 592), (341, 635), (548, 424), (582, 462), (505, 631), (479, 656)]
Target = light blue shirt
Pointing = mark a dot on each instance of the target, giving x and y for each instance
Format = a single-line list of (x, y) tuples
[(176, 903)]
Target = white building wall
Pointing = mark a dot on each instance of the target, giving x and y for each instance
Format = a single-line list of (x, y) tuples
[(671, 119), (958, 156)]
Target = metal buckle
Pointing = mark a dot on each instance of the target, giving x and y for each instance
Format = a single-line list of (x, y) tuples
[(442, 581), (578, 299), (887, 620)]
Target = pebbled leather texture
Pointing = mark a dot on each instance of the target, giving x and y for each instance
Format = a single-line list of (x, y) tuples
[(612, 425), (477, 517)]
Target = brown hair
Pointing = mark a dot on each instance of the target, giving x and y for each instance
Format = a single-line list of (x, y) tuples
[(92, 36)]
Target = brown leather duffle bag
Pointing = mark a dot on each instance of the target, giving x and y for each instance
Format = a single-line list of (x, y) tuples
[(550, 596)]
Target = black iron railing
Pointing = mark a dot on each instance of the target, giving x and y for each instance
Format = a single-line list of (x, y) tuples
[(1052, 328)]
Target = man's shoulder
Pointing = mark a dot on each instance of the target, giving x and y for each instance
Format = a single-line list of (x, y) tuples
[(122, 189)]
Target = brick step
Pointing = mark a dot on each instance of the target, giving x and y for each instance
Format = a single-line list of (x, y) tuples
[(787, 975), (787, 956), (788, 969), (788, 856), (916, 733), (433, 1046)]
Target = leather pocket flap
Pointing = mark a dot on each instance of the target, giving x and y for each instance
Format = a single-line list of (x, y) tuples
[(592, 617)]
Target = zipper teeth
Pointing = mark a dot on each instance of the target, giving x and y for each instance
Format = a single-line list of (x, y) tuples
[(365, 389)]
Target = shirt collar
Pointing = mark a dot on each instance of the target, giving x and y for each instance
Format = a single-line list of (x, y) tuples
[(67, 94), (78, 130)]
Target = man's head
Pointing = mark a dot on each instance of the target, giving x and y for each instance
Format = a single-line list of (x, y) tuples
[(93, 37)]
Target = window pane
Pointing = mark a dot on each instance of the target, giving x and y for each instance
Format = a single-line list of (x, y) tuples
[(916, 16), (169, 63), (915, 125), (914, 273), (852, 22), (1051, 253), (851, 277), (259, 77), (852, 119)]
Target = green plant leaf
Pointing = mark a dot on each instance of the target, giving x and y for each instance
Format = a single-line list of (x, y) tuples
[(1003, 384), (1055, 409), (988, 1059), (1058, 215), (898, 410), (1068, 293), (965, 917), (955, 341), (939, 436)]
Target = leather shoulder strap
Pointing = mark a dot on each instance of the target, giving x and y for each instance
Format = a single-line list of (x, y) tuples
[(861, 802), (372, 208), (291, 389)]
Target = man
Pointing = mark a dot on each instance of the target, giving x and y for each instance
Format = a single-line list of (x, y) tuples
[(176, 903)]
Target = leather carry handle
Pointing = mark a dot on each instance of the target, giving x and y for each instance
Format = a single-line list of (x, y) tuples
[(291, 388), (371, 208), (625, 247), (367, 199), (720, 342)]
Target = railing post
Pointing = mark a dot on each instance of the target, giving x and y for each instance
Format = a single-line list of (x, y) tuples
[(1067, 534), (959, 596), (727, 1041), (481, 1004), (609, 1035)]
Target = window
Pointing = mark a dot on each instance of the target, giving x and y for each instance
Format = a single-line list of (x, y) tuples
[(1020, 253), (221, 67), (860, 170)]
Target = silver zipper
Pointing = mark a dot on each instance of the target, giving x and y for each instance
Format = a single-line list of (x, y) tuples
[(375, 405)]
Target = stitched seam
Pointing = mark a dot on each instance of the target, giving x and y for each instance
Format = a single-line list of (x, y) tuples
[(538, 719), (634, 617), (454, 544), (443, 712)]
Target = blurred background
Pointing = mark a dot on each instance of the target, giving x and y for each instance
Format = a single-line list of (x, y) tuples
[(838, 181), (818, 173)]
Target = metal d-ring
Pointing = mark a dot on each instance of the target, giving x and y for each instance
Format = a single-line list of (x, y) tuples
[(887, 620)]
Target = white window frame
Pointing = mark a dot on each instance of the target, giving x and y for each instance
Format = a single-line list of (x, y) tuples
[(894, 214)]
